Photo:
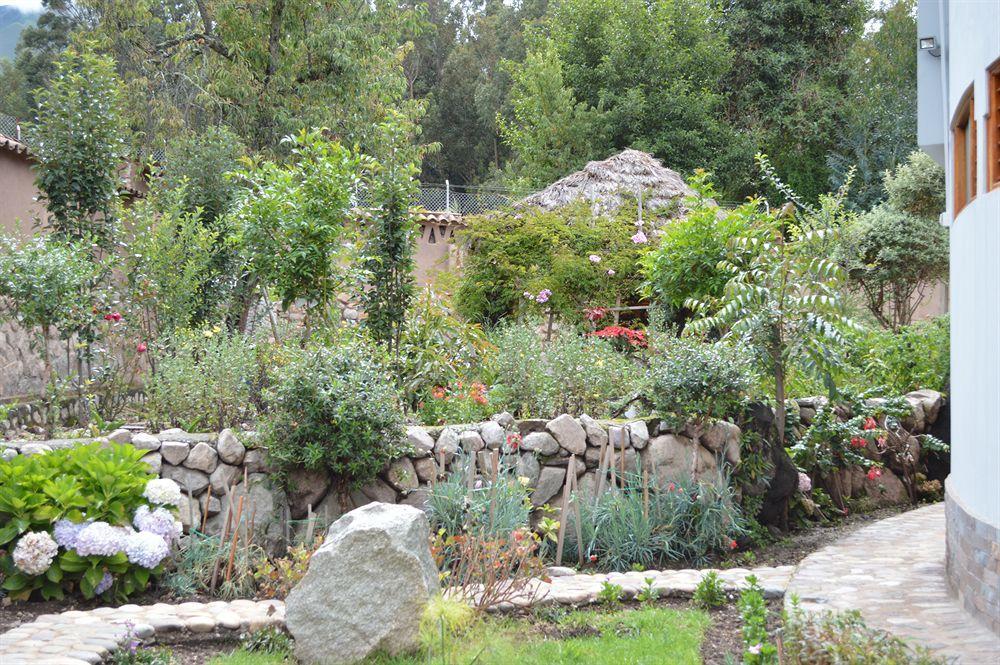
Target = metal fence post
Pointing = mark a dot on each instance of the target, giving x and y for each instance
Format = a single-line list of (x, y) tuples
[(447, 195)]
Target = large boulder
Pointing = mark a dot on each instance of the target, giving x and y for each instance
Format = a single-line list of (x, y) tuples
[(569, 433), (670, 457), (347, 607), (597, 436), (231, 451)]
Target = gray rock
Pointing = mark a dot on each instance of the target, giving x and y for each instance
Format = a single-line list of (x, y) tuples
[(732, 453), (231, 451), (214, 505), (470, 442), (931, 400), (255, 461), (154, 461), (120, 436), (568, 433), (176, 434), (7, 454), (505, 420), (719, 435), (493, 435), (550, 483), (420, 441), (330, 509), (426, 469), (306, 487), (379, 490), (447, 443), (540, 442), (528, 467), (174, 452), (347, 607), (35, 449), (202, 458), (618, 435), (261, 502), (188, 479), (224, 477), (145, 441), (672, 456), (597, 436), (525, 427), (189, 513), (417, 498), (402, 475), (638, 433)]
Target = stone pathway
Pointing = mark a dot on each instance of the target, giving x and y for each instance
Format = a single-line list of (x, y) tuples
[(893, 572), (77, 637)]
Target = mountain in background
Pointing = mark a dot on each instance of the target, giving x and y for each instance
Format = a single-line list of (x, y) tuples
[(12, 21)]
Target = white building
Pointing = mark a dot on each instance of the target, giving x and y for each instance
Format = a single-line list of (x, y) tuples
[(959, 125)]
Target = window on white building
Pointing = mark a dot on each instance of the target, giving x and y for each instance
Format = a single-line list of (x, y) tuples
[(993, 133), (964, 141)]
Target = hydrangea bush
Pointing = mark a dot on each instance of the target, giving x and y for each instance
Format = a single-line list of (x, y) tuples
[(89, 520)]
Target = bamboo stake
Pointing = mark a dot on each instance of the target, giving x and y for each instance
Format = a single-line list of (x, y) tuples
[(602, 472), (222, 537), (191, 524), (645, 493), (204, 517), (623, 438), (564, 510), (309, 524), (236, 538), (579, 528)]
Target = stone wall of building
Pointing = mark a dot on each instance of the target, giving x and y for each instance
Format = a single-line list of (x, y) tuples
[(973, 562)]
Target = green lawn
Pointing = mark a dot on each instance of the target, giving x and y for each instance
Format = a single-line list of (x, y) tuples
[(633, 637)]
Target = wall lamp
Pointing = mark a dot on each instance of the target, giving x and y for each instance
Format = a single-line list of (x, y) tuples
[(930, 45)]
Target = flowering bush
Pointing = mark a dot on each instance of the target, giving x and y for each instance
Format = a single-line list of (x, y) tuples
[(624, 339), (67, 521), (456, 403)]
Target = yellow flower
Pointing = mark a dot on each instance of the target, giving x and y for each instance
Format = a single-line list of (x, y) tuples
[(207, 333)]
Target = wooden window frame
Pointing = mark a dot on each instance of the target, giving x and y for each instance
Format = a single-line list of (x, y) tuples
[(993, 128), (964, 165)]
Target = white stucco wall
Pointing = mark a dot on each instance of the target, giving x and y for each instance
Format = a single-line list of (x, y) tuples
[(970, 40)]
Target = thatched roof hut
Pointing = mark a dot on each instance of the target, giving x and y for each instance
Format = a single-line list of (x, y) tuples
[(608, 183)]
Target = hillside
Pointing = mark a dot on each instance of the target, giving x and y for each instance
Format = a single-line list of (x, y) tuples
[(12, 21)]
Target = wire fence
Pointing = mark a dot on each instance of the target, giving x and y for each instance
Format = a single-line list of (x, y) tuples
[(10, 127)]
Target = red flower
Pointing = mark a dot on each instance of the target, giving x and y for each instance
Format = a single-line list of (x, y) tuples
[(514, 441), (636, 338), (595, 313), (141, 347), (870, 423), (732, 544), (108, 317), (670, 487), (874, 473), (858, 442), (438, 392), (593, 558)]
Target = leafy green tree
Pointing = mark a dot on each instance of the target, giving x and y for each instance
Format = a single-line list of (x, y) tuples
[(916, 186), (783, 299), (294, 222), (550, 132), (787, 87), (389, 252), (880, 120), (79, 142), (45, 285)]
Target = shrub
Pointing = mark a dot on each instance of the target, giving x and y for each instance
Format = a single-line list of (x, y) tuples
[(267, 640), (758, 649), (443, 619), (200, 566), (917, 187), (610, 594), (709, 593), (914, 357), (697, 380), (569, 374), (455, 403), (334, 408), (683, 521), (827, 638), (276, 578), (490, 508), (67, 519), (206, 382)]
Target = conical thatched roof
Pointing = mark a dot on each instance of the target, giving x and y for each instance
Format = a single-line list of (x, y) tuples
[(607, 183)]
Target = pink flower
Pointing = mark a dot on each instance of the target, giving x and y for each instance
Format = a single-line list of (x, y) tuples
[(870, 423), (874, 473), (543, 296), (805, 483), (141, 347), (610, 272), (529, 295), (639, 238), (754, 649), (858, 442), (594, 258)]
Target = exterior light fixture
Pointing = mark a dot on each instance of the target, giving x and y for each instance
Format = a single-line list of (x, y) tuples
[(930, 45)]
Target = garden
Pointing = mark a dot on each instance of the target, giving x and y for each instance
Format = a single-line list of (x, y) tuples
[(609, 430)]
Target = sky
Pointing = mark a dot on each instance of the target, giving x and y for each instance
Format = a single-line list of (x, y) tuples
[(23, 5)]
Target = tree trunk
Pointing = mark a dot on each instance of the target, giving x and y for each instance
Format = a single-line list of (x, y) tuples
[(779, 396)]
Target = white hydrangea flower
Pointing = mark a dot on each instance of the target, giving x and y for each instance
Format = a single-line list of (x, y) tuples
[(159, 521), (66, 532), (146, 549), (34, 552), (163, 491), (101, 539)]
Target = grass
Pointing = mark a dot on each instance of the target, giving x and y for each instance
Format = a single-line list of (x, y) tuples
[(651, 635), (633, 637)]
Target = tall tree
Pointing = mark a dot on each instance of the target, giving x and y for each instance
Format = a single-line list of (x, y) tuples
[(787, 90)]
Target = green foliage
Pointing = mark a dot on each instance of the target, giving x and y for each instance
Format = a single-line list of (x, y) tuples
[(437, 348), (388, 261), (204, 381), (825, 638), (491, 508), (893, 259), (334, 408), (684, 521), (444, 619), (201, 558), (699, 380), (294, 219), (917, 187), (197, 164), (709, 593), (831, 443), (80, 145), (135, 654), (569, 374), (758, 649), (455, 403), (914, 357), (267, 640), (92, 482), (550, 132), (648, 593), (514, 255), (784, 300), (611, 594), (684, 264)]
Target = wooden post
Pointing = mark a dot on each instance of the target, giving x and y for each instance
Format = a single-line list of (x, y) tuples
[(578, 525), (309, 524), (602, 472), (564, 510), (645, 493), (236, 538), (623, 438), (204, 517)]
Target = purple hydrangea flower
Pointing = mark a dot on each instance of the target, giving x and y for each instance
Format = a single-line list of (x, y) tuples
[(66, 532), (104, 584), (100, 539), (543, 296), (159, 521), (146, 549)]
